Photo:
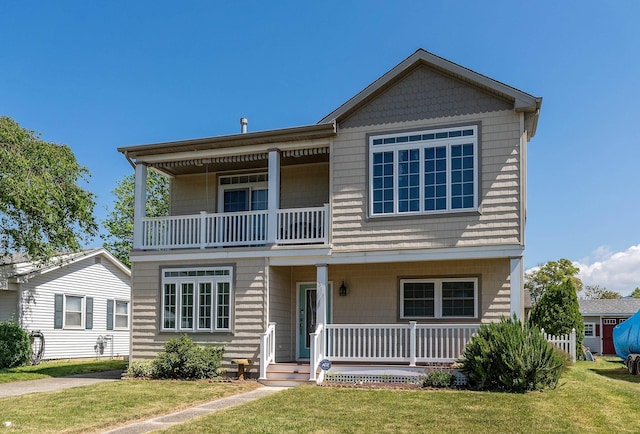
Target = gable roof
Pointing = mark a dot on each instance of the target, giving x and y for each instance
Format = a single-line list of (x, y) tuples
[(621, 306), (19, 268), (522, 102)]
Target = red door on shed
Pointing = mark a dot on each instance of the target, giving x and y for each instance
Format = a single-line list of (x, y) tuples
[(607, 334)]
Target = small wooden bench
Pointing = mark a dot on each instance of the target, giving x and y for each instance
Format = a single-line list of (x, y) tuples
[(241, 365)]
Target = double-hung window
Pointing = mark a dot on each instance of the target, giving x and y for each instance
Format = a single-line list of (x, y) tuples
[(424, 172), (439, 298), (589, 330), (196, 299), (72, 312)]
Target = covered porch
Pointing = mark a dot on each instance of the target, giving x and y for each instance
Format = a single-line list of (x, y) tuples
[(357, 313)]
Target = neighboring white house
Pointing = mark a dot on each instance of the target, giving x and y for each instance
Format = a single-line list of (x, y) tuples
[(600, 317), (77, 301)]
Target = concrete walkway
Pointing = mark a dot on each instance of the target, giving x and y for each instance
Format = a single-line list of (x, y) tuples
[(53, 384), (167, 420), (18, 388)]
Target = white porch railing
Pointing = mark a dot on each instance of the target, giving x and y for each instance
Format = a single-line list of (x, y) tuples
[(317, 352), (409, 343), (295, 226), (267, 349), (566, 343)]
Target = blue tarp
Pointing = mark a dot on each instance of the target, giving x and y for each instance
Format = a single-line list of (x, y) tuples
[(626, 336)]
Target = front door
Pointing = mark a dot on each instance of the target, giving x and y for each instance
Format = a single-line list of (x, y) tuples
[(307, 316)]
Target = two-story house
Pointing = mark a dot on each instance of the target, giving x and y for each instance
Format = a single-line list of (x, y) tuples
[(386, 232)]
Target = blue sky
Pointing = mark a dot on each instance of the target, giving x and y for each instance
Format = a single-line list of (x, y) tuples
[(97, 75)]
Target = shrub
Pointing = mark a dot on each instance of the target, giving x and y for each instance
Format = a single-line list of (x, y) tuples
[(439, 379), (510, 356), (184, 359), (15, 346), (141, 369), (558, 311)]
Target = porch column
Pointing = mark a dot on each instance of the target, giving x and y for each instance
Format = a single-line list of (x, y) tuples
[(273, 195), (139, 204), (322, 283), (517, 287)]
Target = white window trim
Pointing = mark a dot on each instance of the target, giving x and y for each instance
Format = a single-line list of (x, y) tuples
[(82, 313), (437, 310), (422, 144), (115, 314), (196, 280), (593, 328)]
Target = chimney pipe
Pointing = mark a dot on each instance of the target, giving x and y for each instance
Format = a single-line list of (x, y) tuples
[(243, 125)]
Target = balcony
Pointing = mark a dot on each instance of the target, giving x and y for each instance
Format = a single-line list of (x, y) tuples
[(294, 226)]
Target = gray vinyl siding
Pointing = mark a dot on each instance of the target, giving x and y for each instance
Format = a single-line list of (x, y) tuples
[(248, 310), (497, 221), (594, 343), (281, 311), (84, 278)]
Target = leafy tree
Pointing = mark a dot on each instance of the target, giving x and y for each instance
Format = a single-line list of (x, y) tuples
[(43, 210), (551, 274), (557, 312), (595, 292), (119, 223), (636, 293)]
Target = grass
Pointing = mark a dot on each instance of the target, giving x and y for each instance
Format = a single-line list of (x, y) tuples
[(592, 398), (56, 368), (108, 405)]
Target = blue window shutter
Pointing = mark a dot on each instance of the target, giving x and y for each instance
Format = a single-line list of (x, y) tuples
[(57, 308), (89, 316), (109, 314)]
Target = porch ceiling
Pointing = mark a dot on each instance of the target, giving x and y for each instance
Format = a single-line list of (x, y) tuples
[(258, 161)]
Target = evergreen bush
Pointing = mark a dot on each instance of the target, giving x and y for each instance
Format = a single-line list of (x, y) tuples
[(558, 311), (184, 359), (15, 346), (511, 356)]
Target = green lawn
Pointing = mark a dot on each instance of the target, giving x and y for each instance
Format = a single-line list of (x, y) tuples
[(59, 369), (108, 405), (591, 398)]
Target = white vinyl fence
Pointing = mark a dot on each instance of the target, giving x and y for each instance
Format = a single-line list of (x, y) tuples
[(566, 343)]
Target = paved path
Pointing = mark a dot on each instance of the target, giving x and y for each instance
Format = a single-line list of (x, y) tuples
[(167, 420), (17, 388), (52, 384)]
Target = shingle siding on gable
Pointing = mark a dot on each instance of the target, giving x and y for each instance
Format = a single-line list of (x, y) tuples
[(424, 94), (498, 220)]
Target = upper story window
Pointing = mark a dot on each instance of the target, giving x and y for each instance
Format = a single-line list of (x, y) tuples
[(424, 172), (243, 193), (196, 299)]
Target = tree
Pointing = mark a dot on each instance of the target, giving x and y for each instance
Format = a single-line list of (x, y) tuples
[(595, 292), (119, 223), (550, 274), (636, 293), (558, 311), (43, 210)]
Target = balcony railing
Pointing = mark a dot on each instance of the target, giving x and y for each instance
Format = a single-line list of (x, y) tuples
[(249, 228)]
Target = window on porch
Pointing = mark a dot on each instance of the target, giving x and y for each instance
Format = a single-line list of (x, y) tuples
[(439, 298)]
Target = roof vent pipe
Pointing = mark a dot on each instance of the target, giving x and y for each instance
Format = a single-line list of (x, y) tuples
[(243, 125)]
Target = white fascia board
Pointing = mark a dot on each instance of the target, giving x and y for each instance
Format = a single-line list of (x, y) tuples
[(279, 256)]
